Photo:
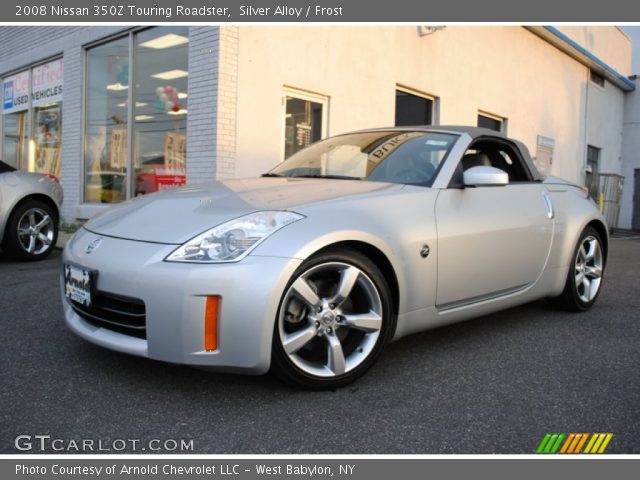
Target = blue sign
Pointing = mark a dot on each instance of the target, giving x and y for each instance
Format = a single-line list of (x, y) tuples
[(8, 94)]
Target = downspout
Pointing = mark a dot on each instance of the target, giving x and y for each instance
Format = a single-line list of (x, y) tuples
[(586, 126)]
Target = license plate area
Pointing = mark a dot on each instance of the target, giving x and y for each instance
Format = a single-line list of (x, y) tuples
[(79, 284)]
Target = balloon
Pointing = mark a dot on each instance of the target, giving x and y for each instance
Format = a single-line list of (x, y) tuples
[(168, 106), (159, 91), (164, 97)]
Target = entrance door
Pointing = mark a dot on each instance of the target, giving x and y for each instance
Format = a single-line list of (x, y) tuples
[(635, 219)]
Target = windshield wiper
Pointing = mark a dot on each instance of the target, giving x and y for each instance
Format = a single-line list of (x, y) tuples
[(333, 177)]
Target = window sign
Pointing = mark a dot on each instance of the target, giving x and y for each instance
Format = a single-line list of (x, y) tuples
[(46, 83), (15, 93)]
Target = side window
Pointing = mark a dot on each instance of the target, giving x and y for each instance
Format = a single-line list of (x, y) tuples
[(496, 154)]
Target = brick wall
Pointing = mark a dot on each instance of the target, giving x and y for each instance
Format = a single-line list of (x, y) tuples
[(202, 116), (227, 102)]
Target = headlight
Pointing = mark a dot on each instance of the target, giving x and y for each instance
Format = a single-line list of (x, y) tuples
[(233, 240)]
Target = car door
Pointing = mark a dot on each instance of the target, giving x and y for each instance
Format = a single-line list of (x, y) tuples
[(492, 240)]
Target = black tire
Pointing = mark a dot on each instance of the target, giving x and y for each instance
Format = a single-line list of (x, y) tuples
[(574, 297), (14, 243), (369, 284)]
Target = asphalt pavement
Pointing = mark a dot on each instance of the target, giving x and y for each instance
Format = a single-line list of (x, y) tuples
[(496, 384)]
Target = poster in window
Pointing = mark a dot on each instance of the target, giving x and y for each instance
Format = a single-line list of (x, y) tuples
[(118, 158), (48, 126), (303, 134), (48, 161), (175, 151)]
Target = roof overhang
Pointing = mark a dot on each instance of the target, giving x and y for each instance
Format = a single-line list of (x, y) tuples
[(576, 51)]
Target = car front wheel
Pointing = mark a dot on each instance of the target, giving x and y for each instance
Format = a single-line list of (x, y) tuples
[(31, 232), (333, 321)]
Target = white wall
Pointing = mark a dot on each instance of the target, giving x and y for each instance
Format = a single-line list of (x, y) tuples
[(506, 70), (633, 32), (605, 110), (630, 154), (611, 44)]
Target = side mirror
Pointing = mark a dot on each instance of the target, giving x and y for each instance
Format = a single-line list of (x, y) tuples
[(485, 177)]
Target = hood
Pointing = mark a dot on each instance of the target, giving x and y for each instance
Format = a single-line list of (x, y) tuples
[(175, 216)]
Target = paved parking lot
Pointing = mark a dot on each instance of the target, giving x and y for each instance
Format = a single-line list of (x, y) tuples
[(493, 385)]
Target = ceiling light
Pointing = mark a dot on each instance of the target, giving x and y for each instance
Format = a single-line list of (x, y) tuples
[(171, 74), (138, 104), (182, 111), (165, 41), (117, 87), (182, 95), (142, 118)]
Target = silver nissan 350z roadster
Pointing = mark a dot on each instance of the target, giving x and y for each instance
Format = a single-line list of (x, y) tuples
[(355, 241)]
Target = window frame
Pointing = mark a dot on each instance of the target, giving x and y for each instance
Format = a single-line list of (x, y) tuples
[(306, 95), (503, 120), (593, 74), (435, 103)]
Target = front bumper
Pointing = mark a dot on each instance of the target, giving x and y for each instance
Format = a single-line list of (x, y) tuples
[(175, 296)]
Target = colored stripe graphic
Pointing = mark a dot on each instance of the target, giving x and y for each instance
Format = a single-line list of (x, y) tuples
[(570, 438), (598, 443), (550, 443), (573, 443)]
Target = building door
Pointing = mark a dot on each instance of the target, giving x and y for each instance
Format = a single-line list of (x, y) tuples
[(635, 219), (305, 120)]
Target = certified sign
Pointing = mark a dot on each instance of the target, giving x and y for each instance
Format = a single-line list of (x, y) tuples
[(46, 83)]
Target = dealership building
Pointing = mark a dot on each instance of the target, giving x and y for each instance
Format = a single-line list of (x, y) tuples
[(115, 112)]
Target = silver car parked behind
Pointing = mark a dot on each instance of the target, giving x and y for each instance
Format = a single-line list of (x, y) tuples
[(29, 213), (352, 242)]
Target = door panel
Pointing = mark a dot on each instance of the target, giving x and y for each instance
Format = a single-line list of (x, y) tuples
[(491, 240)]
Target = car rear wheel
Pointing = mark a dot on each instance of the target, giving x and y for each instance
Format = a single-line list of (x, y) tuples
[(584, 279), (334, 319), (31, 232)]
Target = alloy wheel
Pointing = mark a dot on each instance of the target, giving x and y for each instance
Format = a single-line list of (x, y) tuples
[(36, 231), (331, 319), (588, 269)]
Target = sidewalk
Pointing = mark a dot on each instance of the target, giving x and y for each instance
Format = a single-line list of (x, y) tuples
[(63, 238)]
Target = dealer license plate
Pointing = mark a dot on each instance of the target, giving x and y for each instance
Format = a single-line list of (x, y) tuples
[(77, 284)]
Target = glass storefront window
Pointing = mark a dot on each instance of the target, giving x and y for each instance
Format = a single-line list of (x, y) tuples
[(156, 118), (105, 148), (15, 139), (32, 118), (46, 132), (161, 73)]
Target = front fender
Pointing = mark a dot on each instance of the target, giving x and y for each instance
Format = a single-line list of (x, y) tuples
[(397, 225)]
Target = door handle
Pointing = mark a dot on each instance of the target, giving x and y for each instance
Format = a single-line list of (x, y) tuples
[(548, 204)]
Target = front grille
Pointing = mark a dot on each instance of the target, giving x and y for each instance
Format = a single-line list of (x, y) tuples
[(121, 314)]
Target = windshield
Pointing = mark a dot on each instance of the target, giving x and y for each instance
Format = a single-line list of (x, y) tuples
[(383, 156)]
